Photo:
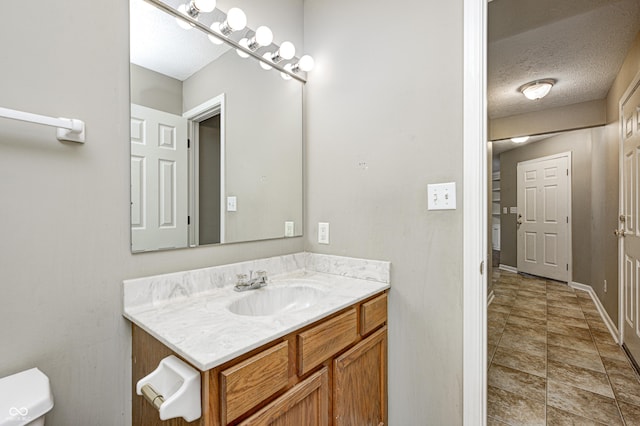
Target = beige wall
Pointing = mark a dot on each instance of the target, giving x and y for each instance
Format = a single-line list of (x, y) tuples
[(155, 90), (370, 181), (579, 144), (569, 117), (64, 215)]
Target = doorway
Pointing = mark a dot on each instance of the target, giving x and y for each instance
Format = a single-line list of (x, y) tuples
[(543, 221)]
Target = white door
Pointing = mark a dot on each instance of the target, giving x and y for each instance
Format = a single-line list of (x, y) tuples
[(158, 179), (630, 258), (543, 217)]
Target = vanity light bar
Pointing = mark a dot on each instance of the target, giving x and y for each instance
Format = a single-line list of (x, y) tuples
[(202, 27)]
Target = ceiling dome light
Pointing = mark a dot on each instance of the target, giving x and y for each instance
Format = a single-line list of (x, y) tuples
[(537, 89), (520, 139)]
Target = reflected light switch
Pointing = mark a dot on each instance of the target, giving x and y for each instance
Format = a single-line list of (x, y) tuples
[(231, 204)]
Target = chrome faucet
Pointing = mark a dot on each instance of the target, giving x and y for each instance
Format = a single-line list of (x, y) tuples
[(245, 283)]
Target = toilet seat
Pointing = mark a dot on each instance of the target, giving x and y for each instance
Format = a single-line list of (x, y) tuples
[(24, 397)]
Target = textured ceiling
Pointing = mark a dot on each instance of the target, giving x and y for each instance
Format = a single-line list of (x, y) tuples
[(159, 44), (580, 43)]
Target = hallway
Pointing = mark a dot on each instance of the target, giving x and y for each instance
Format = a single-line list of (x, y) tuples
[(552, 359)]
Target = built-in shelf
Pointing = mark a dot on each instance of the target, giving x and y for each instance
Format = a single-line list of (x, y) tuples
[(495, 210)]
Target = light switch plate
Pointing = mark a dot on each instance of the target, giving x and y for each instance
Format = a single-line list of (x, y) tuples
[(441, 196), (513, 210), (504, 210), (323, 232), (289, 228), (231, 204)]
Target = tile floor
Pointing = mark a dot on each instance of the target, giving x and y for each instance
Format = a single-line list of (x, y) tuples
[(552, 360)]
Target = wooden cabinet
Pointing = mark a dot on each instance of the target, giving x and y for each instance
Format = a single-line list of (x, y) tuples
[(306, 404), (331, 372), (360, 383)]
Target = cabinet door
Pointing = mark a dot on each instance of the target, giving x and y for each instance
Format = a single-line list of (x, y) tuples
[(306, 404), (360, 383)]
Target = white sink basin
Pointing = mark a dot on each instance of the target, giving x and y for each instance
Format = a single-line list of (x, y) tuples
[(276, 300)]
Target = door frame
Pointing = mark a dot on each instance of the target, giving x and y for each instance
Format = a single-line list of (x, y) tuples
[(204, 111), (625, 96), (474, 214), (569, 214)]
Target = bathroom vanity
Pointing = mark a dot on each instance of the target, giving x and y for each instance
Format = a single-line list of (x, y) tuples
[(310, 348)]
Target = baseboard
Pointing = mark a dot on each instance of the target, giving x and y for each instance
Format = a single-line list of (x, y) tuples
[(490, 298), (603, 313), (508, 268)]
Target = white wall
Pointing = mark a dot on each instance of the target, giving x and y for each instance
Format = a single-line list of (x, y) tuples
[(64, 209), (387, 91)]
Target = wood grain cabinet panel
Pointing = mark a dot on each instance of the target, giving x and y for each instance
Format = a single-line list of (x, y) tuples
[(247, 384), (321, 342), (306, 404), (373, 314), (360, 383)]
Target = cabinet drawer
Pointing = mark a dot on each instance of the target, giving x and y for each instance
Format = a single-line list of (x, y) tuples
[(326, 339), (250, 382), (373, 314)]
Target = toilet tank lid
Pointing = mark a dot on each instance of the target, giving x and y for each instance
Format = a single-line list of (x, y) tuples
[(24, 397)]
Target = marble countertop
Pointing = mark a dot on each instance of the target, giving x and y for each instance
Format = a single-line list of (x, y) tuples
[(200, 328)]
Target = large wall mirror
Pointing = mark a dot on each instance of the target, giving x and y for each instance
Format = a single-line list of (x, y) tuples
[(216, 141)]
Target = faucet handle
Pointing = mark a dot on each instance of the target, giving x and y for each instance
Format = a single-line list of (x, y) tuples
[(242, 279)]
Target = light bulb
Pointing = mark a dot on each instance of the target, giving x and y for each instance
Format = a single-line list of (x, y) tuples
[(183, 8), (264, 36), (215, 27), (205, 5), (264, 66), (244, 43), (520, 139), (306, 63), (236, 19), (284, 75), (287, 50)]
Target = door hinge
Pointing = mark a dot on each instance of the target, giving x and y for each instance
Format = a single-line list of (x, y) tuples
[(188, 220), (188, 143), (567, 219), (482, 267), (567, 172), (567, 266)]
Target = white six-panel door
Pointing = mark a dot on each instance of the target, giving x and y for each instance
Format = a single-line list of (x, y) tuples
[(159, 187), (629, 232), (543, 217)]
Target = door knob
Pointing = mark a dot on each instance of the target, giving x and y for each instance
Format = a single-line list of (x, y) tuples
[(619, 232)]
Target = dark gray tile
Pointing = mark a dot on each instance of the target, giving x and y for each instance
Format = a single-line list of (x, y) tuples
[(583, 403), (583, 378), (513, 409)]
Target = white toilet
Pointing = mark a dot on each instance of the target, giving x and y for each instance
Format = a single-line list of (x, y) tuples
[(25, 398)]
